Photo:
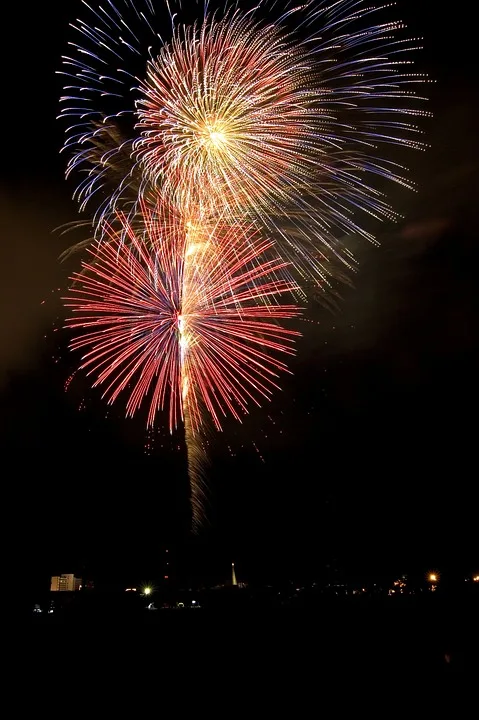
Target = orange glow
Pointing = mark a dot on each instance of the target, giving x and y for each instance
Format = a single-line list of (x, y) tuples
[(432, 577)]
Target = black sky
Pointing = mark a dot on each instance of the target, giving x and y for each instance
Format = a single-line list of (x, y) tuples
[(369, 452)]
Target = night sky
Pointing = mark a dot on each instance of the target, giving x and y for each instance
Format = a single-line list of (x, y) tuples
[(366, 460)]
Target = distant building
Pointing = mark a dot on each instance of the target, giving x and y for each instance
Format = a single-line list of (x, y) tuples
[(68, 583)]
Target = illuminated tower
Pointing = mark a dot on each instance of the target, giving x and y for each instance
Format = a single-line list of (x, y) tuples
[(233, 575)]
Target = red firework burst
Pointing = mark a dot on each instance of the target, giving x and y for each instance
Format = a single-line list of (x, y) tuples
[(188, 318)]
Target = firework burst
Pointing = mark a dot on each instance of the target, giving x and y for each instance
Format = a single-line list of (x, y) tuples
[(233, 155), (283, 114), (227, 119), (196, 322)]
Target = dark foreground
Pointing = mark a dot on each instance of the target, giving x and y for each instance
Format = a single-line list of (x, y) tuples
[(432, 635)]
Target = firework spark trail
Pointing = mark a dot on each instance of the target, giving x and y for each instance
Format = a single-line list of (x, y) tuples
[(285, 112), (197, 461)]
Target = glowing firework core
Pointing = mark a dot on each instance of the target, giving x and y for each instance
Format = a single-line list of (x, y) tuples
[(216, 137)]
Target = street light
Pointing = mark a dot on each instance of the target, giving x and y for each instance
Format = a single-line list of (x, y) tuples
[(433, 579)]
